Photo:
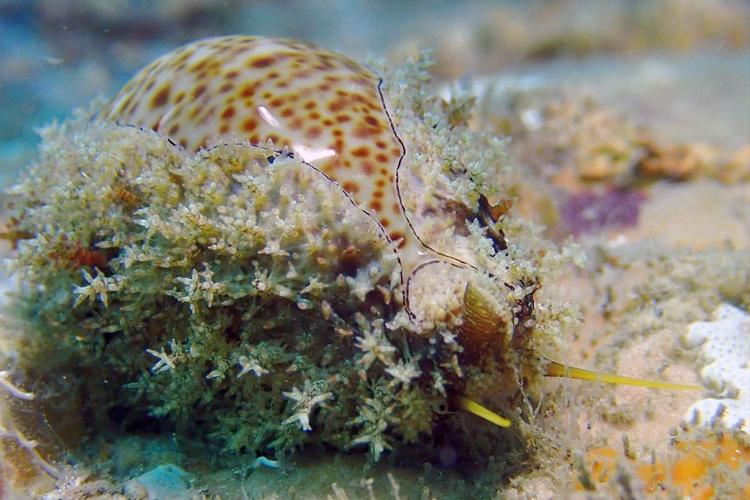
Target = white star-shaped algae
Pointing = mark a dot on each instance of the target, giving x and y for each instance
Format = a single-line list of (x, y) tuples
[(725, 355), (97, 287), (305, 401)]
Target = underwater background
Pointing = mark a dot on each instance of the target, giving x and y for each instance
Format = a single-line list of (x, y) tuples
[(591, 160)]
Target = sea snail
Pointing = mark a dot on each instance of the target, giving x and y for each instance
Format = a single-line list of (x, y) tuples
[(329, 111)]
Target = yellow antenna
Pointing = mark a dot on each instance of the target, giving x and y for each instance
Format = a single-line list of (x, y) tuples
[(555, 369), (466, 404)]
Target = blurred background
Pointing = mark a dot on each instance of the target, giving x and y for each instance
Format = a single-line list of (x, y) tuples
[(59, 55)]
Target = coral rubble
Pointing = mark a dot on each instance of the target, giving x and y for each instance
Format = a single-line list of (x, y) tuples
[(725, 354)]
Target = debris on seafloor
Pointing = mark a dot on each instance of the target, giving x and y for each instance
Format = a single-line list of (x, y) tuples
[(576, 141), (165, 481), (698, 467), (589, 211)]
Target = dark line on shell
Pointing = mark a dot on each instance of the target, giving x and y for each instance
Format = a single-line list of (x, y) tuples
[(454, 261)]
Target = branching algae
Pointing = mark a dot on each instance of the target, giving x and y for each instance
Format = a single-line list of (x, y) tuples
[(262, 245)]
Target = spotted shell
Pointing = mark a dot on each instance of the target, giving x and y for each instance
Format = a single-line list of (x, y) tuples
[(323, 106)]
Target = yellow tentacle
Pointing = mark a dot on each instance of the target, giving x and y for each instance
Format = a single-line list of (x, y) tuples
[(555, 369), (470, 406)]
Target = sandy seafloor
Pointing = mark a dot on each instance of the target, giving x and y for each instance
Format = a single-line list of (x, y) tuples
[(648, 275)]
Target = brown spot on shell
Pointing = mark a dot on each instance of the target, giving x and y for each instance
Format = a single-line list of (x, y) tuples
[(228, 113), (361, 132), (313, 133), (161, 97), (199, 90), (350, 187), (336, 105), (249, 124), (361, 152), (247, 91), (261, 62)]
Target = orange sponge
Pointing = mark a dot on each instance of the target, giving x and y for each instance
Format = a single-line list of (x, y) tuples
[(701, 467)]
